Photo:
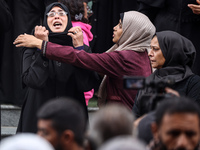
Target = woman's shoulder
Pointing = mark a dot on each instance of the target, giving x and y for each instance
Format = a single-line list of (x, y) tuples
[(194, 79), (133, 54)]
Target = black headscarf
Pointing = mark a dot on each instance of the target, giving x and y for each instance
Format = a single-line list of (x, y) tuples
[(64, 71), (59, 38), (179, 54)]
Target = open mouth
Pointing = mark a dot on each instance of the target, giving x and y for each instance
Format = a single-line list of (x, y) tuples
[(57, 24)]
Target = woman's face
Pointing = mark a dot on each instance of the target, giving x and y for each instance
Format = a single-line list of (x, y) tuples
[(155, 54), (117, 32), (57, 19)]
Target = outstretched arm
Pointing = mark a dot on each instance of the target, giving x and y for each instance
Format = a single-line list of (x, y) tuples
[(26, 40)]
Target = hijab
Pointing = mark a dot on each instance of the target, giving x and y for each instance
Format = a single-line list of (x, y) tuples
[(61, 37), (60, 71), (137, 32), (179, 54)]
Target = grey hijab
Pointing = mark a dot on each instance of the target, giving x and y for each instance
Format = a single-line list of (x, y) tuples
[(137, 31)]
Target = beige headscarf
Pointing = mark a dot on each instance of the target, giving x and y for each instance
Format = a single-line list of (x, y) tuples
[(137, 32)]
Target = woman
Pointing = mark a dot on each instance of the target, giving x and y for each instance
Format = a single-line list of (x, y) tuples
[(173, 56), (47, 79), (78, 14), (180, 16), (128, 56)]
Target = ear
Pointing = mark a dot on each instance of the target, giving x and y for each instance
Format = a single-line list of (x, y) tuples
[(68, 136), (154, 130)]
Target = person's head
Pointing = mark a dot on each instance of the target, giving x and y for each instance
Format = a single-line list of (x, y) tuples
[(177, 124), (25, 141), (62, 122), (57, 18), (134, 31), (110, 121), (123, 143), (169, 48), (77, 8)]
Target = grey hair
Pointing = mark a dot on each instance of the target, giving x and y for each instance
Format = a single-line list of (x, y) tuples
[(110, 121), (123, 143)]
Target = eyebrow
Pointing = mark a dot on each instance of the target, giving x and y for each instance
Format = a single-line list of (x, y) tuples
[(58, 10)]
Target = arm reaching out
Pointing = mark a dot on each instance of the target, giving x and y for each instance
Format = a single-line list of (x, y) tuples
[(26, 40)]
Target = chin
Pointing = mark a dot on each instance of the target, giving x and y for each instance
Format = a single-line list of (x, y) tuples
[(57, 30), (114, 41)]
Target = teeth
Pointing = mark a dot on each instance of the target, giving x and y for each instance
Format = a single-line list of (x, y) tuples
[(57, 24)]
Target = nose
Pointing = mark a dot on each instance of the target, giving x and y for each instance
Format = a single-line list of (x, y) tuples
[(56, 15), (150, 54), (182, 142), (114, 28)]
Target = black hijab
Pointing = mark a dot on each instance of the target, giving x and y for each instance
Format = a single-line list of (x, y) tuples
[(179, 54), (59, 38), (61, 71)]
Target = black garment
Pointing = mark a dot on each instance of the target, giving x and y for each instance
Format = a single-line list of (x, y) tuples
[(26, 15), (46, 79), (105, 17), (144, 127), (5, 26), (189, 87), (179, 55), (175, 16)]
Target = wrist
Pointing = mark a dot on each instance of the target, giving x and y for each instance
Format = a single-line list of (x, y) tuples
[(79, 47), (39, 44)]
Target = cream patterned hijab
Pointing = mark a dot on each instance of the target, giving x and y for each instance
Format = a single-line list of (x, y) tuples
[(137, 32)]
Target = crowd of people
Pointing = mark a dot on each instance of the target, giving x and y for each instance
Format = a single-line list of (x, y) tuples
[(60, 72)]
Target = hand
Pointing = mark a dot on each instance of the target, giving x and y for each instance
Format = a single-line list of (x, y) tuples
[(26, 40), (195, 8), (171, 91), (41, 33), (77, 36)]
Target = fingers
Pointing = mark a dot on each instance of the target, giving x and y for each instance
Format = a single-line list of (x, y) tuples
[(75, 30), (171, 91), (18, 39), (40, 28), (41, 33), (195, 8)]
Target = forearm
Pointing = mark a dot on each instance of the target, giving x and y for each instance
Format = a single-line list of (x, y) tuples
[(104, 63)]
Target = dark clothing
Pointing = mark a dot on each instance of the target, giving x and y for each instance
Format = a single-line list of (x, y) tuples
[(189, 87), (5, 26), (175, 16), (26, 15), (114, 64), (144, 127), (46, 79), (179, 54)]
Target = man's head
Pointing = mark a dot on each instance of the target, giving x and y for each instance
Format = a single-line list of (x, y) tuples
[(177, 124), (123, 143), (62, 122), (110, 121), (25, 141)]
